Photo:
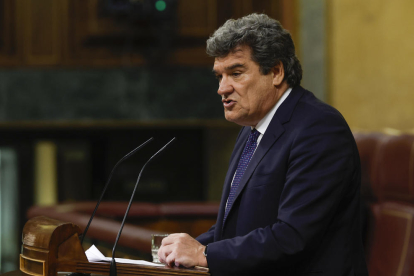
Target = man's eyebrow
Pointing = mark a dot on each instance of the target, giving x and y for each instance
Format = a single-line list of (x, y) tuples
[(234, 66), (231, 67)]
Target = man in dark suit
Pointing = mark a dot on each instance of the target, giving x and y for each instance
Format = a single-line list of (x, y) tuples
[(290, 203)]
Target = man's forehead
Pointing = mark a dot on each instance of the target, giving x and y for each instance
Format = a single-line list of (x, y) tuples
[(237, 54)]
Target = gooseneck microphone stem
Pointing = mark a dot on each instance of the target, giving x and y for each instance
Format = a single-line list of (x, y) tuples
[(107, 183), (112, 270)]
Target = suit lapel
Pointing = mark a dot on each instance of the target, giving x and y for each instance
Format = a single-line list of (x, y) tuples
[(269, 138), (272, 134)]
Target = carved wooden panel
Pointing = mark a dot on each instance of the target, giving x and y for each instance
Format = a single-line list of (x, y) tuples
[(197, 17), (97, 23), (79, 33), (42, 31), (10, 33), (286, 15), (94, 39), (197, 20), (282, 10)]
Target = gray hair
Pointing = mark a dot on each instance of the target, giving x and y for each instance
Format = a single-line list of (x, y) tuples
[(269, 42)]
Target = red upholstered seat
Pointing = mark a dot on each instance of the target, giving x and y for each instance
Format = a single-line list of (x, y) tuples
[(396, 168), (149, 218), (392, 250), (368, 145)]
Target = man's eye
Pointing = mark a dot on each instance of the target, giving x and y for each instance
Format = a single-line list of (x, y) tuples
[(219, 78), (236, 74)]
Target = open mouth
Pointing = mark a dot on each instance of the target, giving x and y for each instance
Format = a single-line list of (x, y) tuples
[(228, 103)]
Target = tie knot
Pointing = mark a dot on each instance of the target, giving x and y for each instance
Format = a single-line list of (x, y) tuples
[(254, 134)]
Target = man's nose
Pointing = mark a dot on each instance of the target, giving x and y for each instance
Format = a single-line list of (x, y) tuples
[(225, 87)]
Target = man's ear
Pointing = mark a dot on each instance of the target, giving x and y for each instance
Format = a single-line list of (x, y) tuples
[(278, 74)]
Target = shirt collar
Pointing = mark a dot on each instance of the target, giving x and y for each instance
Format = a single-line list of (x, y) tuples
[(264, 123)]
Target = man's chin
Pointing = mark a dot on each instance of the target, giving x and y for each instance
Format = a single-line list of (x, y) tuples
[(236, 120), (229, 117)]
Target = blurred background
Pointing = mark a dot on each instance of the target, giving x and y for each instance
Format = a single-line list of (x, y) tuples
[(83, 82)]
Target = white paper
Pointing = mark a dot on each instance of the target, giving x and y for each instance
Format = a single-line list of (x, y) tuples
[(94, 255)]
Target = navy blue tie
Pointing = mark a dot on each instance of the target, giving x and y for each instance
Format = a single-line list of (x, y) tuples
[(245, 158)]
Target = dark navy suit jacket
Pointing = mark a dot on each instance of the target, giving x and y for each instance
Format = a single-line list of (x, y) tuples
[(296, 210)]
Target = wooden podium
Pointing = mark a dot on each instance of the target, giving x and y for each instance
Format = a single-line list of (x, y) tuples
[(51, 246)]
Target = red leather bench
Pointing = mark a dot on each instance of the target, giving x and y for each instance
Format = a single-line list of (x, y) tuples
[(191, 217), (388, 188)]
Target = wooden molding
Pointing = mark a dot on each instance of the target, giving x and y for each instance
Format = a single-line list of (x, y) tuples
[(74, 33), (42, 32), (10, 35)]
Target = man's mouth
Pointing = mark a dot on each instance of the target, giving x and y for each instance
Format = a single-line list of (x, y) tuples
[(228, 102)]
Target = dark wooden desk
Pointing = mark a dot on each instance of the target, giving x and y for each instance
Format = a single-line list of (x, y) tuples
[(51, 246), (19, 273), (14, 273), (175, 272)]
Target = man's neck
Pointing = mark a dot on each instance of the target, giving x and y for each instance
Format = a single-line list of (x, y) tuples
[(262, 125)]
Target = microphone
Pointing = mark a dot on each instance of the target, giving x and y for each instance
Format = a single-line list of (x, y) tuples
[(109, 179), (112, 270)]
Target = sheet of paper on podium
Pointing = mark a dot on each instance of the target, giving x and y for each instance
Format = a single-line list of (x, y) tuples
[(94, 255)]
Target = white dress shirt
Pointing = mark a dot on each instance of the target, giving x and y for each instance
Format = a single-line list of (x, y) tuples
[(264, 123)]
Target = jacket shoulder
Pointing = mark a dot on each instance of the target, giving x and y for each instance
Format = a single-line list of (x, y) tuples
[(311, 109)]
